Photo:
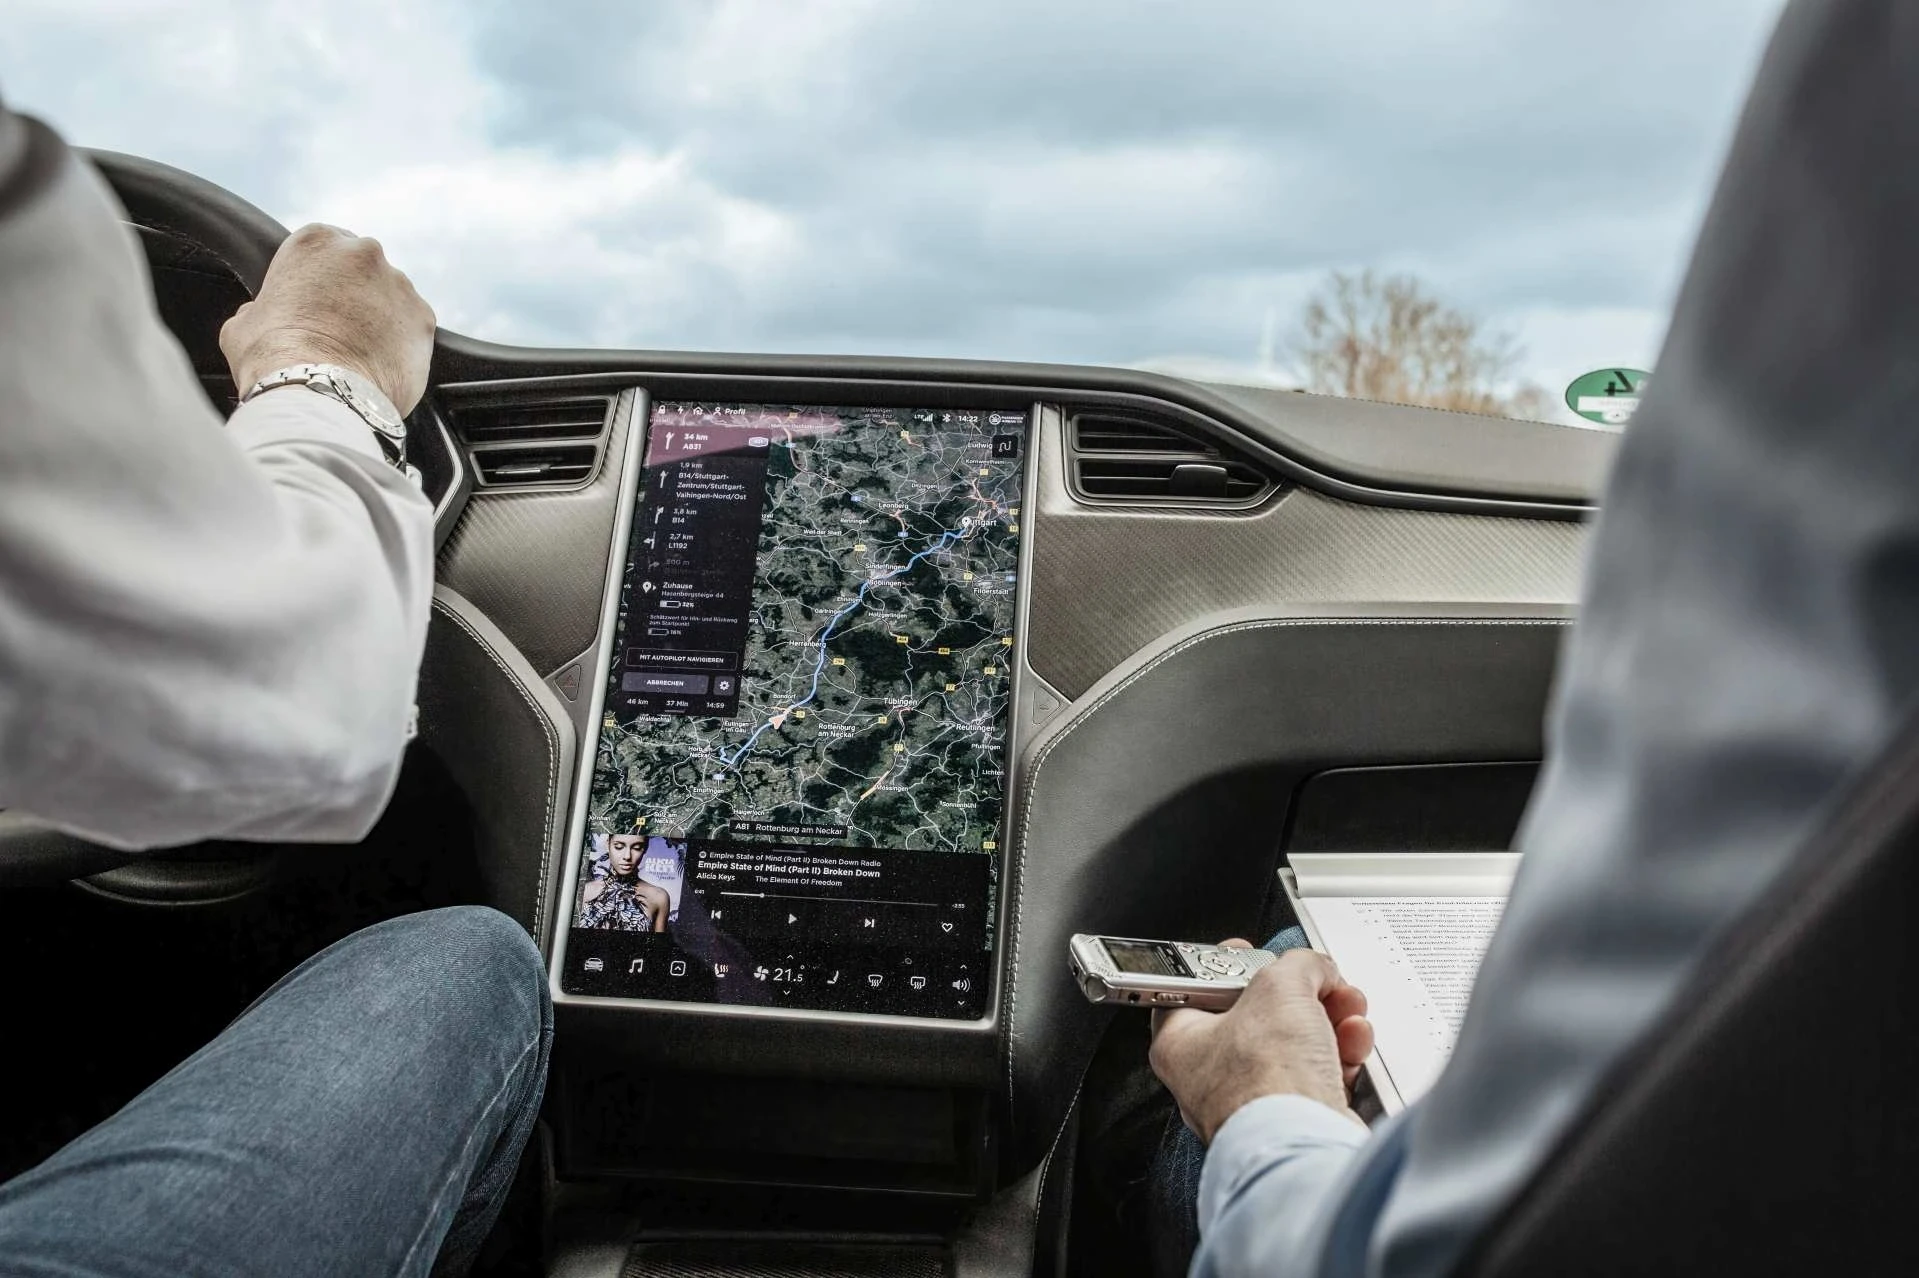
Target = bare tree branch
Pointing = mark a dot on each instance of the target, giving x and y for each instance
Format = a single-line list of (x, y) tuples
[(1386, 338)]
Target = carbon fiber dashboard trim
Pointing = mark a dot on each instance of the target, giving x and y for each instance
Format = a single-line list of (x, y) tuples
[(535, 562), (1107, 583)]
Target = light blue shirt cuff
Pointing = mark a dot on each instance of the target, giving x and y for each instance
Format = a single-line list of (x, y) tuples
[(1261, 1136)]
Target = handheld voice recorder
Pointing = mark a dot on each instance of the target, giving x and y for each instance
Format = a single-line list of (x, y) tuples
[(1132, 972)]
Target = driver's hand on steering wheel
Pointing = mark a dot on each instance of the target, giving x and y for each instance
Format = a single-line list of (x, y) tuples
[(331, 297)]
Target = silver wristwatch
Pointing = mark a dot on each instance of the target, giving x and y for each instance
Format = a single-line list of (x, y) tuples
[(357, 393)]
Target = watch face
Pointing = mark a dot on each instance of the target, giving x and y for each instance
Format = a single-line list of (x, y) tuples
[(368, 400)]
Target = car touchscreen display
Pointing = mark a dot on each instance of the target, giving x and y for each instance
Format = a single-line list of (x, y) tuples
[(798, 792)]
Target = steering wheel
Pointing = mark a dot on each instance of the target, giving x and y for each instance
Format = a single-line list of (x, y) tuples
[(208, 250), (195, 217)]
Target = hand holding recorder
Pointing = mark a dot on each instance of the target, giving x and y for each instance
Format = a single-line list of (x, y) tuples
[(1289, 1025)]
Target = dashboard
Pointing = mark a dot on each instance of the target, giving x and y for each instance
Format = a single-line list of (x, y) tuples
[(1200, 620)]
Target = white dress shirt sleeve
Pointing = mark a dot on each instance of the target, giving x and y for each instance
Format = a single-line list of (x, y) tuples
[(207, 630)]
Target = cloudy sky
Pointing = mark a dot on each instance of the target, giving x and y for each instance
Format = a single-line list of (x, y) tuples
[(1104, 181)]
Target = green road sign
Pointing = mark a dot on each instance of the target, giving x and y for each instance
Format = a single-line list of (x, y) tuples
[(1609, 395)]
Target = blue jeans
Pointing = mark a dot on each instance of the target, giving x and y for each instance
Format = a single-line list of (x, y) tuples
[(363, 1117), (1176, 1167)]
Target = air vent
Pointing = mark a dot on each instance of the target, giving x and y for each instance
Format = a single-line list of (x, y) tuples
[(548, 442), (565, 464), (1120, 458), (1105, 433), (1150, 480)]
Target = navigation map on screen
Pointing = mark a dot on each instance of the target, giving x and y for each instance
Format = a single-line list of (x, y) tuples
[(810, 690)]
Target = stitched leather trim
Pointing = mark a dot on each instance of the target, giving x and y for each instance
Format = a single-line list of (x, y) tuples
[(552, 755), (1039, 763), (1046, 1165)]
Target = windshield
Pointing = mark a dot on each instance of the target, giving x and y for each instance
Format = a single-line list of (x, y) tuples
[(1483, 206)]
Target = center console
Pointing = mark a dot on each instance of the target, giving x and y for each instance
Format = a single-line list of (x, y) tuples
[(806, 668)]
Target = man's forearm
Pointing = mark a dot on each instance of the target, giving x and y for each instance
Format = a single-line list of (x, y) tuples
[(204, 631)]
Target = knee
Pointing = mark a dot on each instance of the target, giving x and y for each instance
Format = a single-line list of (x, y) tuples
[(477, 938), (468, 965)]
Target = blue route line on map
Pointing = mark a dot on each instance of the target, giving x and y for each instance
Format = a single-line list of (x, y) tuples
[(819, 664)]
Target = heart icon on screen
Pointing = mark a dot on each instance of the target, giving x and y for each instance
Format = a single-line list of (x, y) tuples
[(946, 927)]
